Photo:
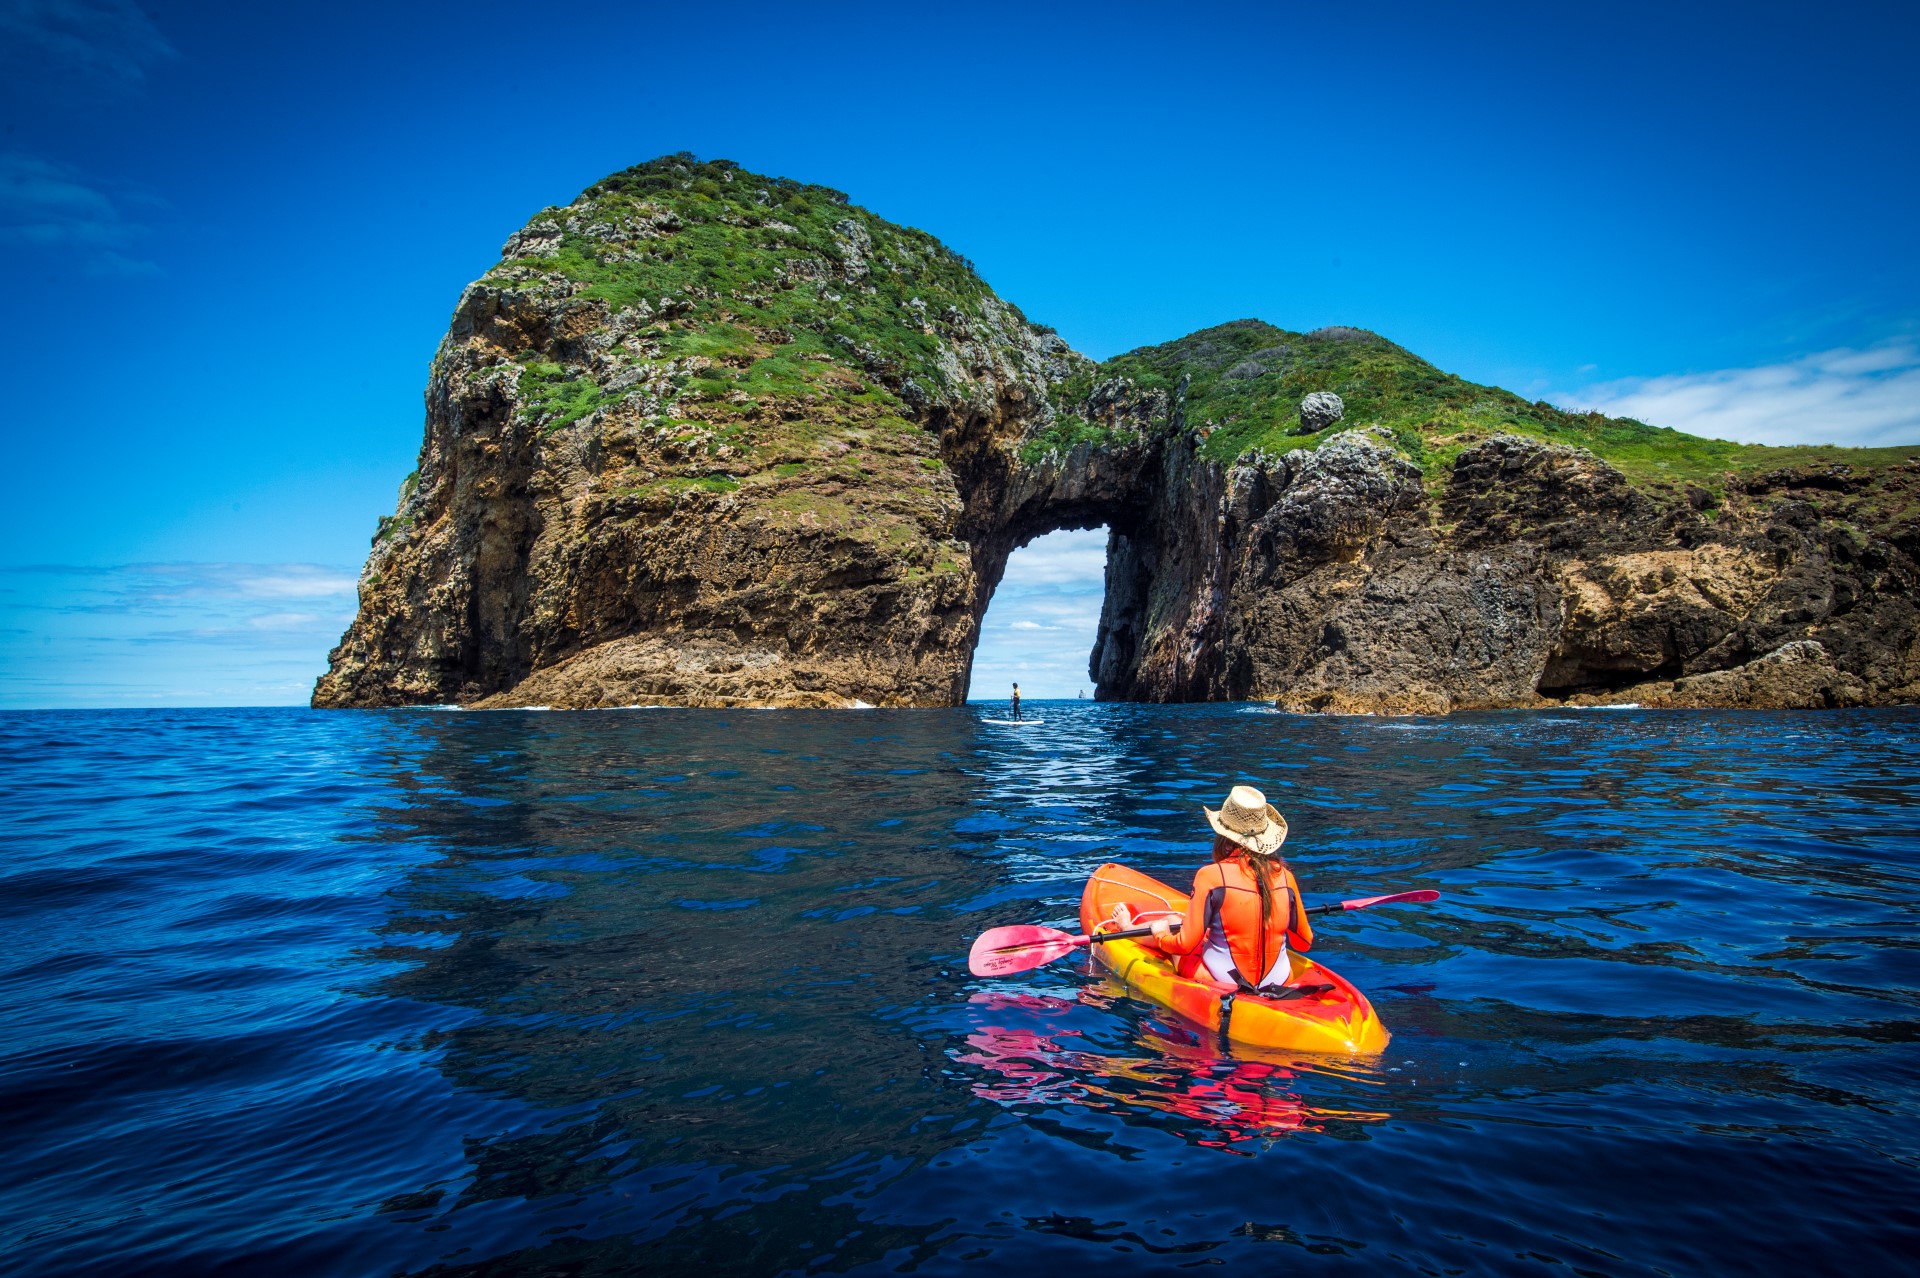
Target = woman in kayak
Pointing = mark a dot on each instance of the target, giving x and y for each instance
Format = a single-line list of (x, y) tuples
[(1245, 908)]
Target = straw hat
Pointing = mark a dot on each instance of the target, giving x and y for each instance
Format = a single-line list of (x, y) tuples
[(1249, 820)]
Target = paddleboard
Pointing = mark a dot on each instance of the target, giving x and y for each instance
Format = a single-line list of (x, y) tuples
[(1016, 723)]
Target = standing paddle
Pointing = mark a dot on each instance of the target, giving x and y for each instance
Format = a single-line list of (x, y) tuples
[(1002, 951)]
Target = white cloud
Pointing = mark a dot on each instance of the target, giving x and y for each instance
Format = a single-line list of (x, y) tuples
[(51, 53), (283, 620), (169, 633), (251, 581), (1866, 398), (1075, 559), (164, 588), (51, 207), (109, 42)]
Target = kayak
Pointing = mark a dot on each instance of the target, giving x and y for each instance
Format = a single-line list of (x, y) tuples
[(1335, 1017)]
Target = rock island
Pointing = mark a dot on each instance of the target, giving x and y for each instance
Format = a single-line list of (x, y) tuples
[(708, 438)]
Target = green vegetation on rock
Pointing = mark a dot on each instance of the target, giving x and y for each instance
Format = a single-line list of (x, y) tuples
[(713, 321), (1246, 380), (765, 279), (555, 396), (779, 319), (1067, 432)]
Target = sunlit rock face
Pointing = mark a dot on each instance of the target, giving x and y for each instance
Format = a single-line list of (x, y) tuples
[(707, 438)]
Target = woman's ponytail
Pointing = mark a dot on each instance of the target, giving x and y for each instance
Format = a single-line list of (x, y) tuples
[(1265, 871)]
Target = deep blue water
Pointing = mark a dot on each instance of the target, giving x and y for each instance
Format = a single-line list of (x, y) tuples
[(288, 992)]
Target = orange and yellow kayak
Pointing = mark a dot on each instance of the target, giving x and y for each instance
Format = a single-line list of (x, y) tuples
[(1337, 1020)]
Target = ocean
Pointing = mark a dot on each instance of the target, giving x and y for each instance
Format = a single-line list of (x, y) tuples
[(587, 993)]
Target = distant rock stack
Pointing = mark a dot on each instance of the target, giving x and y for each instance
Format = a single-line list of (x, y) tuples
[(1319, 411)]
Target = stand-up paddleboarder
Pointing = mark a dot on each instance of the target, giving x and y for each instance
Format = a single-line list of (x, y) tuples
[(1016, 701)]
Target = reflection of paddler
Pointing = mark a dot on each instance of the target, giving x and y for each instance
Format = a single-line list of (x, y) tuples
[(1245, 907)]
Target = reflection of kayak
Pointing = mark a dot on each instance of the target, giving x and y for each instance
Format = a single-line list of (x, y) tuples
[(1016, 723), (1334, 1019), (1027, 1056)]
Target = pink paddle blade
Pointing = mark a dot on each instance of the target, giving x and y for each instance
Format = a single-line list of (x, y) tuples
[(1005, 950), (1422, 894)]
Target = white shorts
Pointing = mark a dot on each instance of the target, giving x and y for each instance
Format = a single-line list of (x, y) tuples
[(1219, 961)]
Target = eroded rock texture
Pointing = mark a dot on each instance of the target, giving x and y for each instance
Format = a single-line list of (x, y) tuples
[(704, 438), (1539, 576)]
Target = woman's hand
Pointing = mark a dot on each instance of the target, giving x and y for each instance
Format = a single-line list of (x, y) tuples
[(1162, 929)]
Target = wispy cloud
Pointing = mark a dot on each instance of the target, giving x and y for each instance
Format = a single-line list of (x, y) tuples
[(52, 208), (1866, 398), (168, 633), (1066, 559), (108, 42), (164, 588)]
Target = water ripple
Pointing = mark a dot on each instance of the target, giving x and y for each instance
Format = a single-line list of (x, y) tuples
[(489, 994)]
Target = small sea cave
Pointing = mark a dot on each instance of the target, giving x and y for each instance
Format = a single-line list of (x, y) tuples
[(1575, 675)]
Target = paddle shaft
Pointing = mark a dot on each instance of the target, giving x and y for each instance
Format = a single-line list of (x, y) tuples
[(1082, 940), (1407, 898), (993, 955), (1332, 907)]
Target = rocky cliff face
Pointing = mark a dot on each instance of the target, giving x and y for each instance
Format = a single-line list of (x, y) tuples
[(1540, 575), (693, 441), (707, 438)]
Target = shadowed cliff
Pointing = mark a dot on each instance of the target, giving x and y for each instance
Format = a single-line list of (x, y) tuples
[(703, 437)]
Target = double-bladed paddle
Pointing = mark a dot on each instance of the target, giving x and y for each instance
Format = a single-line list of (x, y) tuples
[(1003, 951)]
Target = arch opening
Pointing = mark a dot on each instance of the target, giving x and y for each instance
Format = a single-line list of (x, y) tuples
[(1043, 618)]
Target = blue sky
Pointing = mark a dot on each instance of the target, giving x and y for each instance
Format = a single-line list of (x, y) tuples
[(232, 235), (1039, 630)]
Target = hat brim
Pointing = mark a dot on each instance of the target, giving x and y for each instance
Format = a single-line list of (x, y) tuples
[(1261, 841)]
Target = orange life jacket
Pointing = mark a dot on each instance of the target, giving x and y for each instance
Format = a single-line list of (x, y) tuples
[(1228, 886)]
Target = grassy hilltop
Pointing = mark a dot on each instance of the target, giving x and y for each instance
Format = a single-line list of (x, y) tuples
[(786, 311), (1247, 378), (732, 265)]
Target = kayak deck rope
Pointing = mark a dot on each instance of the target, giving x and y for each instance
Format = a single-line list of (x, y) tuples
[(1135, 887)]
